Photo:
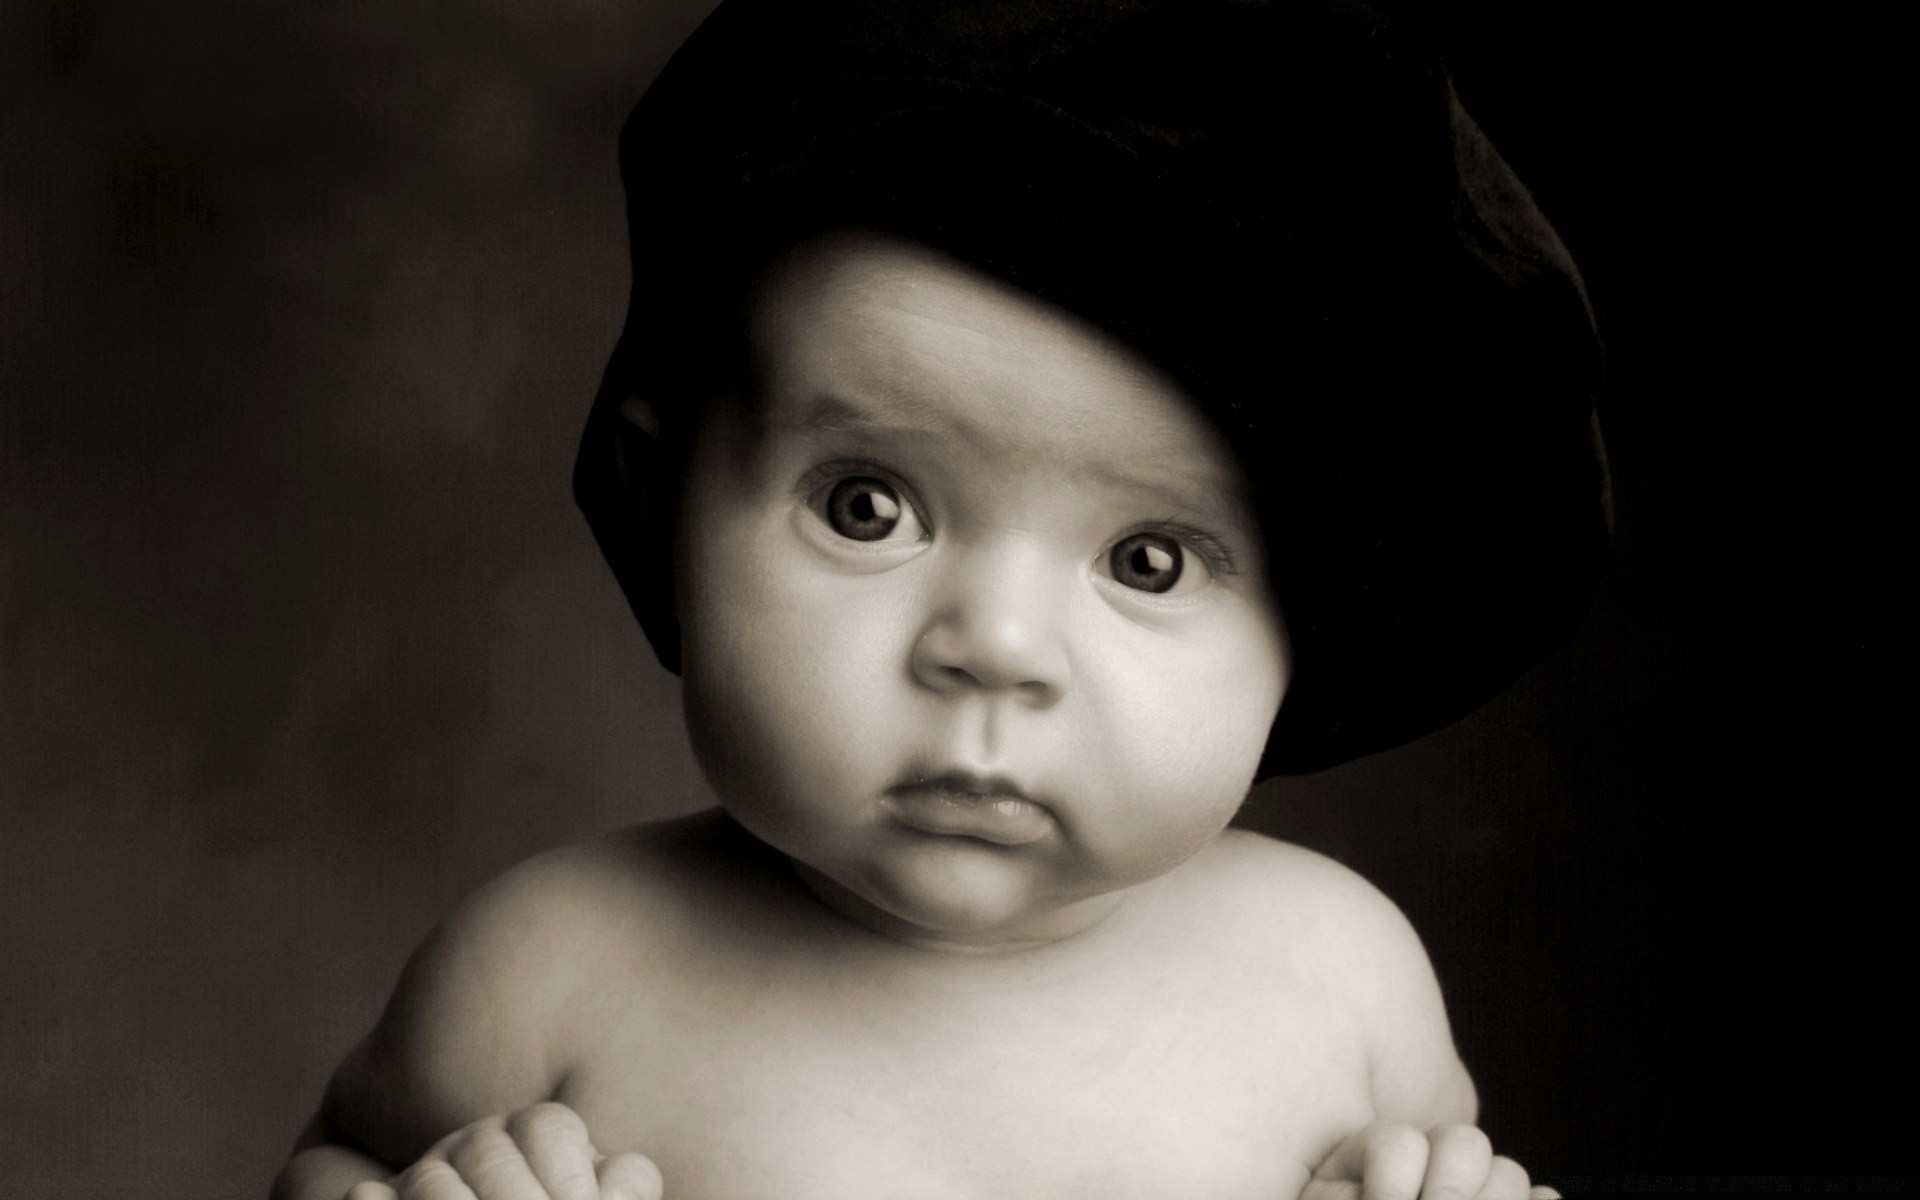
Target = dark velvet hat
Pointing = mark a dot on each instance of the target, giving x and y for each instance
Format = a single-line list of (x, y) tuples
[(1282, 204)]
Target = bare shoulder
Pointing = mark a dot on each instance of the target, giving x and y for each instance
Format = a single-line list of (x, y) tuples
[(1312, 904), (488, 1012), (1318, 924), (581, 916)]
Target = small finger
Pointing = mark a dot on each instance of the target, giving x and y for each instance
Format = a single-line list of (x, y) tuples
[(1506, 1180), (1396, 1162), (1457, 1163), (630, 1177), (490, 1162), (1343, 1162), (554, 1141), (371, 1189), (1330, 1189), (432, 1179), (1543, 1192)]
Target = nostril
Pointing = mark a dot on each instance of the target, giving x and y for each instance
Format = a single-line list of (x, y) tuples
[(1039, 693), (990, 651)]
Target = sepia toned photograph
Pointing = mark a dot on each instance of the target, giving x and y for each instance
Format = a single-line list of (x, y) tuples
[(950, 600)]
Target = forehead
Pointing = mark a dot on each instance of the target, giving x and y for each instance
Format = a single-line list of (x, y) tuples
[(877, 335)]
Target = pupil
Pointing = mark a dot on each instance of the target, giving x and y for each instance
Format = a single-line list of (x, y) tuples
[(863, 509), (1147, 562)]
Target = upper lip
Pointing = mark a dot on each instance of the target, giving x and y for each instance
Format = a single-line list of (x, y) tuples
[(965, 783)]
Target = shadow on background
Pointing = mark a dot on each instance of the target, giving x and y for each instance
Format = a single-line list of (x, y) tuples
[(300, 637)]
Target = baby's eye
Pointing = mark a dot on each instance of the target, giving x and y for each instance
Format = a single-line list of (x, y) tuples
[(866, 509), (1154, 562)]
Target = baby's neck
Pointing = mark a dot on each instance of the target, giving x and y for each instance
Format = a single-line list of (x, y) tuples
[(1061, 928)]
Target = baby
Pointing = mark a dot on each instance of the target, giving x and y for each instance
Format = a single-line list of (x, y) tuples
[(1035, 422)]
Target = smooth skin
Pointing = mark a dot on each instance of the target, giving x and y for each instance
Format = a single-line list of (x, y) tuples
[(979, 657)]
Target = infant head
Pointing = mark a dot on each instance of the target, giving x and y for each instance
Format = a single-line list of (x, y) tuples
[(974, 614), (1272, 218)]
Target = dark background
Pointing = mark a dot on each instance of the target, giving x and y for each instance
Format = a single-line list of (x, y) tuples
[(301, 307)]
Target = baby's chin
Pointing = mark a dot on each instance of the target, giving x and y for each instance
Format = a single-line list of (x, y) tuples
[(956, 893)]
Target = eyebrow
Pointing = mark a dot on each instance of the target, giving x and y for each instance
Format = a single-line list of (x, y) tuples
[(828, 411), (1206, 500)]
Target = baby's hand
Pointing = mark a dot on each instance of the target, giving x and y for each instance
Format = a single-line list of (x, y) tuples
[(1398, 1162), (537, 1153)]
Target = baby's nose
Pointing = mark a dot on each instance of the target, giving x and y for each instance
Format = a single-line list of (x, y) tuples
[(997, 624)]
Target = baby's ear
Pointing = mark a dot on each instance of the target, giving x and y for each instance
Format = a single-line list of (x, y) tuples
[(642, 416), (650, 466), (633, 508)]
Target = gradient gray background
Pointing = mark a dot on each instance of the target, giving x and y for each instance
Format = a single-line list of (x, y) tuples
[(300, 636)]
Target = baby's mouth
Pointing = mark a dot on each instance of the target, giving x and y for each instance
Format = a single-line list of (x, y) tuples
[(960, 804)]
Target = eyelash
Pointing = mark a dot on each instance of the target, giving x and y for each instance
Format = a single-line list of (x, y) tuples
[(832, 472), (1219, 559)]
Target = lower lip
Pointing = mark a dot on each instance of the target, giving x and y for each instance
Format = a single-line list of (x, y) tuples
[(1001, 819)]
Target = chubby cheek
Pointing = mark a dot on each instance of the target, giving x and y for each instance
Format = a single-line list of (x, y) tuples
[(1181, 730), (780, 682)]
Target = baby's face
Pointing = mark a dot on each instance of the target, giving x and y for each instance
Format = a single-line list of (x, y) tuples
[(975, 624)]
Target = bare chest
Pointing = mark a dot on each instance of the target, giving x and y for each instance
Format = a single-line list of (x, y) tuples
[(847, 1097)]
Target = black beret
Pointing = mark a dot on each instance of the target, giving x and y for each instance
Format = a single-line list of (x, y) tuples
[(1282, 204)]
